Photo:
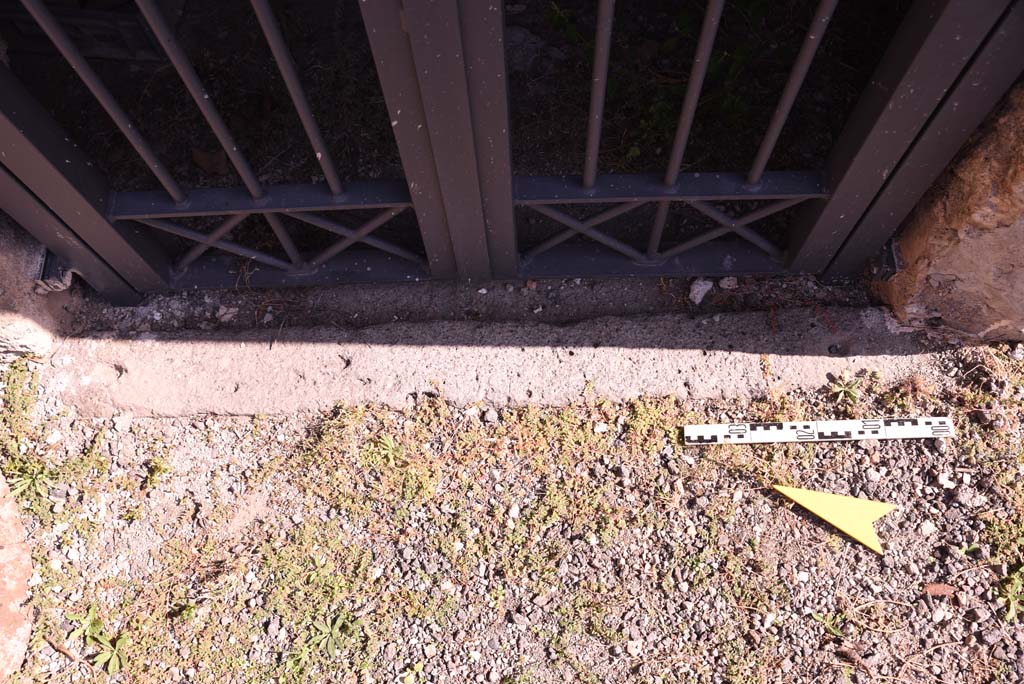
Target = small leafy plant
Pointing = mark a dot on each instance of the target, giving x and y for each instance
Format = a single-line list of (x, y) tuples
[(31, 478), (89, 626), (1012, 593), (411, 674), (832, 623), (155, 469), (332, 637), (111, 656), (845, 388)]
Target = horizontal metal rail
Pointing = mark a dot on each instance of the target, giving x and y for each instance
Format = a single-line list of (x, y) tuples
[(530, 190), (278, 198), (714, 258)]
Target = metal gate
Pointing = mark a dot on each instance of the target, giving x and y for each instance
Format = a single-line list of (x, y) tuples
[(441, 65)]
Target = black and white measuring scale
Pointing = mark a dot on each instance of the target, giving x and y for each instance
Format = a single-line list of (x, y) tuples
[(818, 431)]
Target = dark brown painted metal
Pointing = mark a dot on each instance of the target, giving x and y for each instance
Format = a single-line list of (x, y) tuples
[(278, 198), (930, 49), (223, 271), (92, 81), (483, 31), (179, 60), (727, 224), (714, 258), (26, 209), (598, 86), (593, 221), (362, 234), (595, 235), (285, 64), (437, 52), (991, 73), (396, 71), (796, 79), (699, 69), (38, 153), (441, 67), (223, 245), (531, 190), (213, 237), (350, 234)]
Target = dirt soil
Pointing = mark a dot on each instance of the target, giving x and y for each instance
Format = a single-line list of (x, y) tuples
[(575, 543), (357, 306)]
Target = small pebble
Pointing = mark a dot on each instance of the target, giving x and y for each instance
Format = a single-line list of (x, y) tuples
[(699, 288)]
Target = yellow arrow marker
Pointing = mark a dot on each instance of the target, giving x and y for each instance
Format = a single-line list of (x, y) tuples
[(851, 515)]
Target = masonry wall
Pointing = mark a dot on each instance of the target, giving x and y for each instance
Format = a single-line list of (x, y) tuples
[(963, 246)]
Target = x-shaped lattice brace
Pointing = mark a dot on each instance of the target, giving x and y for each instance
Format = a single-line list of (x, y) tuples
[(586, 227), (726, 224), (216, 239)]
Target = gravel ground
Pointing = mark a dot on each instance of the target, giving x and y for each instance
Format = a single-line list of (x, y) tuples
[(539, 544)]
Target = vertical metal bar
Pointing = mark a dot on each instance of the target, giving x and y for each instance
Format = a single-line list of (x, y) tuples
[(39, 154), (991, 74), (796, 79), (92, 81), (929, 51), (32, 215), (437, 52), (286, 65), (165, 35), (699, 69), (179, 60), (398, 79), (483, 32), (598, 86)]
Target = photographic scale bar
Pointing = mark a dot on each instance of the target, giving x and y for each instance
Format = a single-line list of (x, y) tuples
[(818, 431)]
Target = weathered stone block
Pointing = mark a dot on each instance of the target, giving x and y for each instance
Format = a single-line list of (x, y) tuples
[(26, 321), (963, 246)]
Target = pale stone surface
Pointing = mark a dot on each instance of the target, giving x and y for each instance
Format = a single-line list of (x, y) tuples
[(963, 246), (232, 373), (26, 320), (15, 570)]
